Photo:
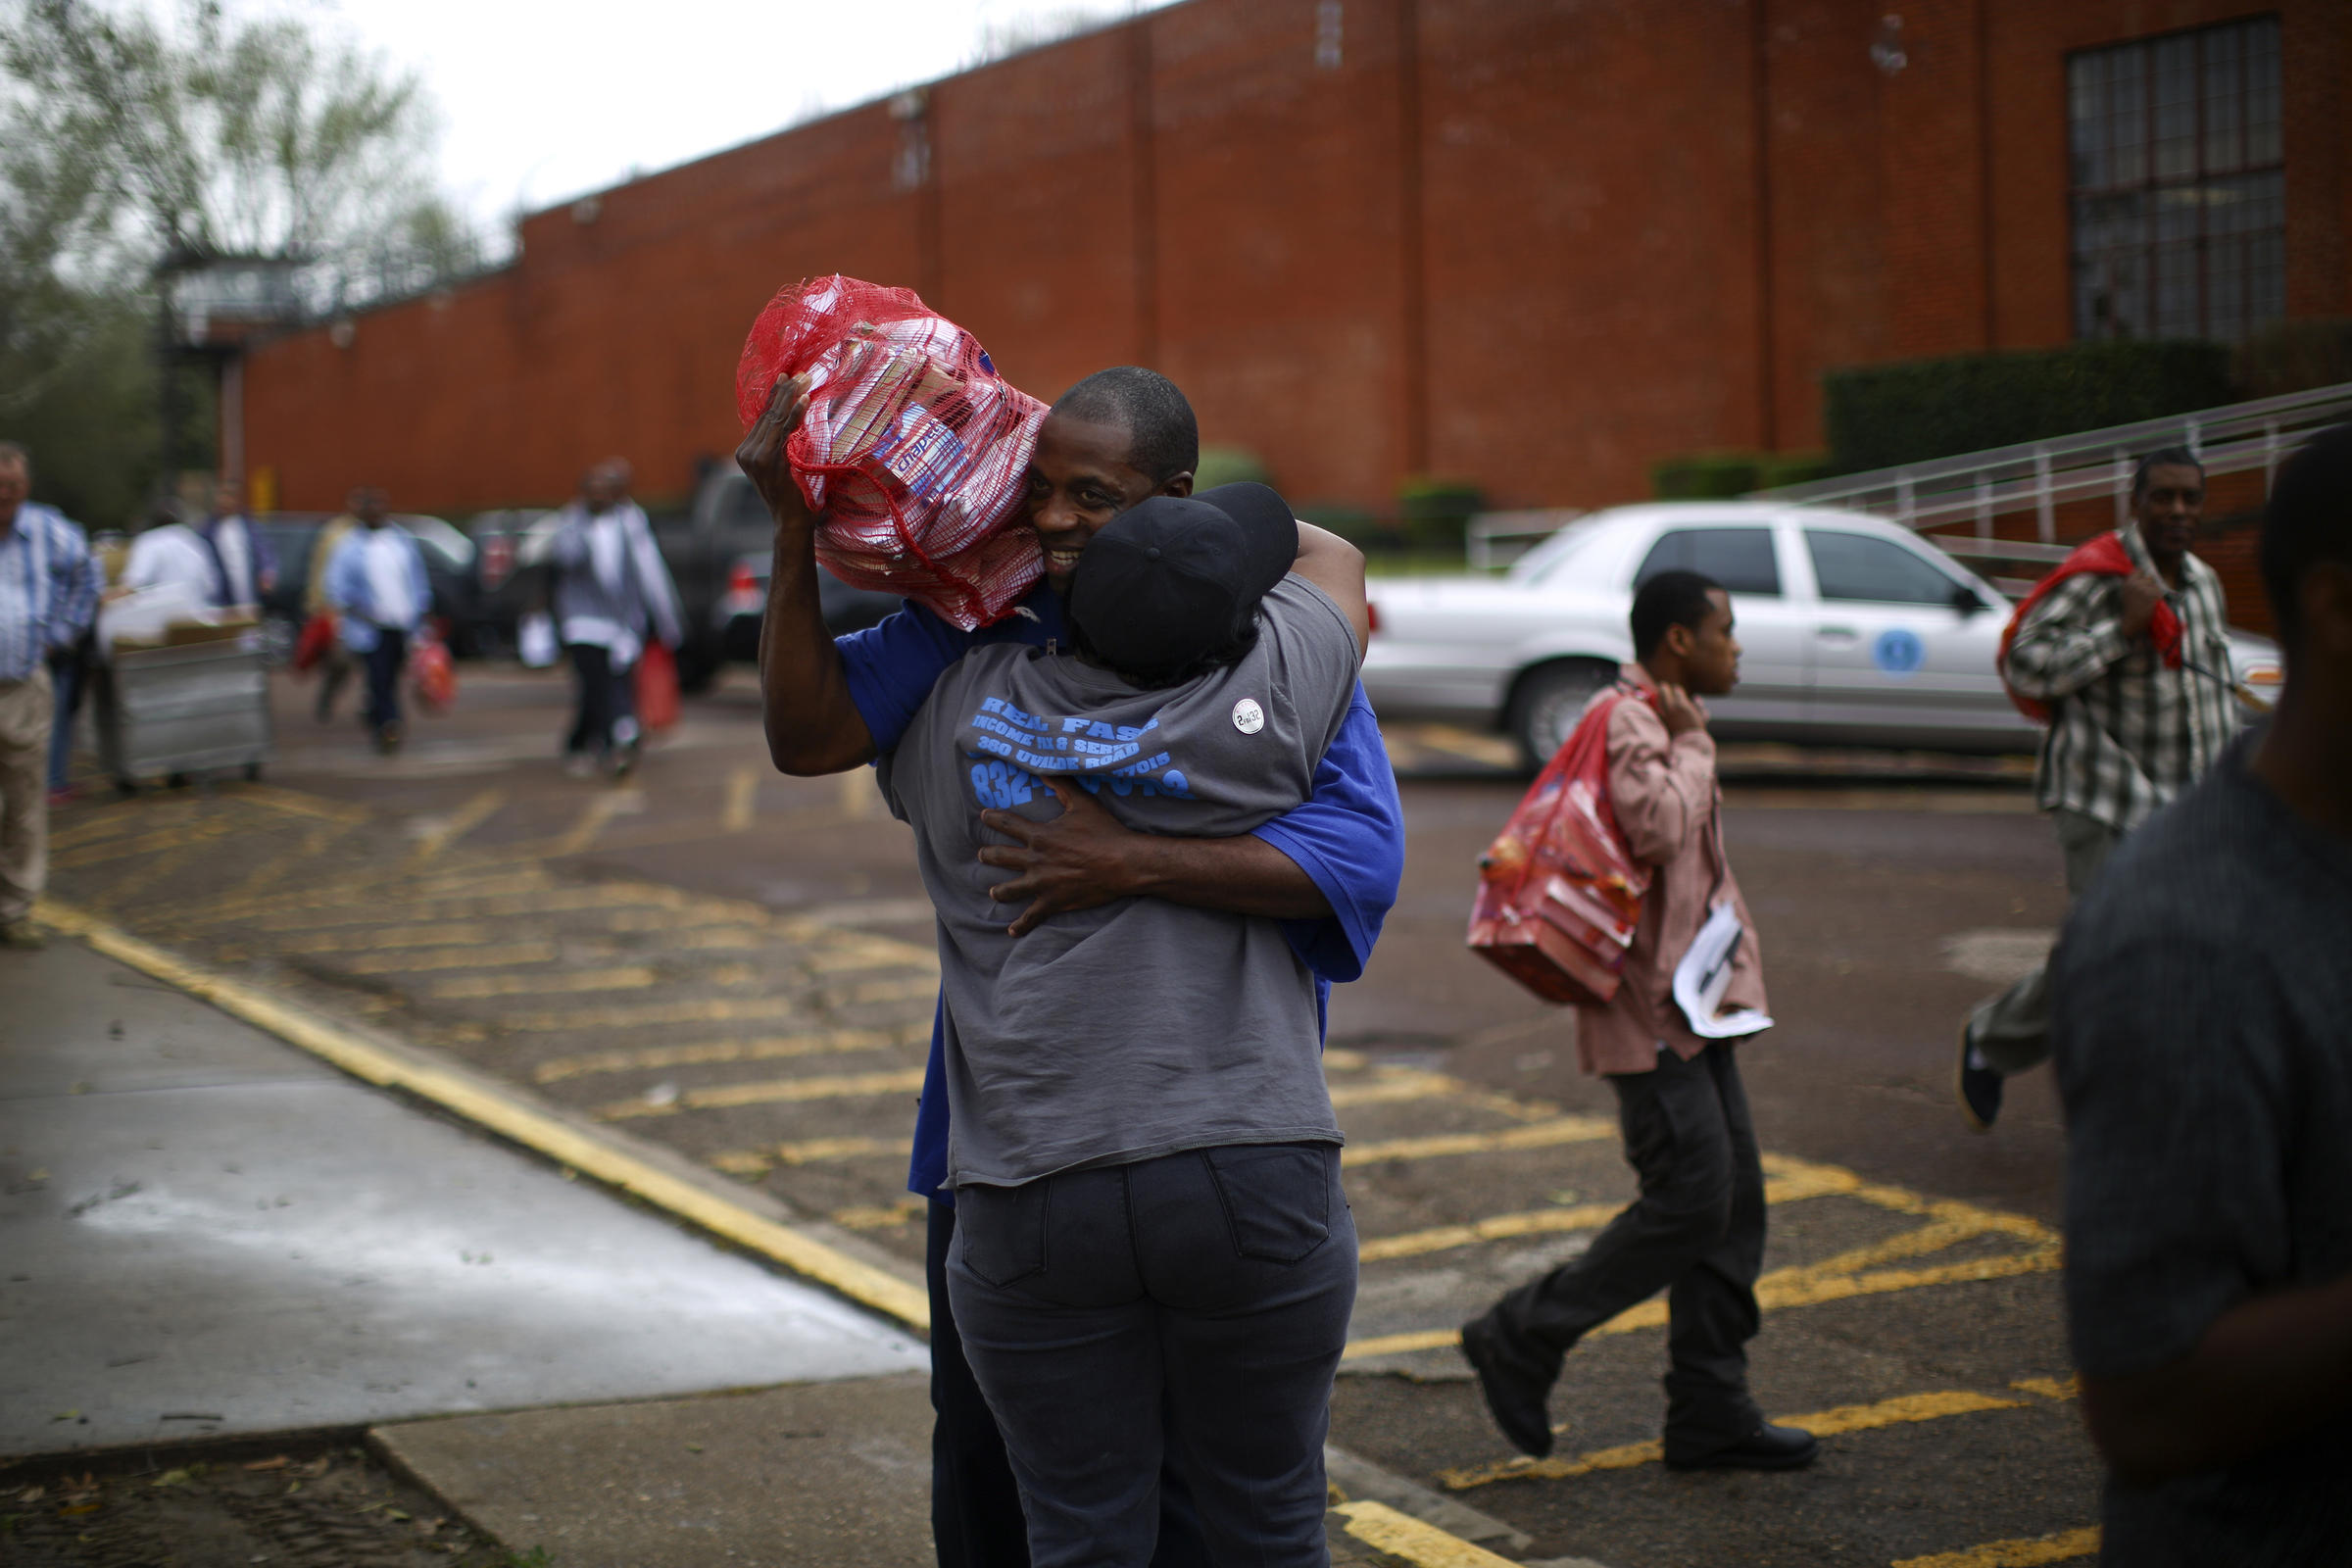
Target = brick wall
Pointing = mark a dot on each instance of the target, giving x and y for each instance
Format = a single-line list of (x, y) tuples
[(1536, 244)]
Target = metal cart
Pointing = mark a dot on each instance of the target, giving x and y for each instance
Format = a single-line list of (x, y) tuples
[(187, 708)]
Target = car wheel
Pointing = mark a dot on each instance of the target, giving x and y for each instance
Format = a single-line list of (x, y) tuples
[(1548, 703)]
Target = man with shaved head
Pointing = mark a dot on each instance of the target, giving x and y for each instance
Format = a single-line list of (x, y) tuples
[(1327, 869)]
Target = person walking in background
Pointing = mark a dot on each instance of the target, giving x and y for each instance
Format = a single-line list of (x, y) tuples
[(1698, 1230), (335, 664), (2137, 672), (376, 585), (48, 593), (244, 567), (2198, 1025), (168, 553), (611, 589)]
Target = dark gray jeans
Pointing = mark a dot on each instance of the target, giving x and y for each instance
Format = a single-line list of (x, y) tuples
[(1214, 1284), (1697, 1233)]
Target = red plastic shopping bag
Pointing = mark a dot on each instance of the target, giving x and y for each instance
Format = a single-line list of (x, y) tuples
[(1559, 893), (914, 449), (317, 636), (656, 681), (432, 673)]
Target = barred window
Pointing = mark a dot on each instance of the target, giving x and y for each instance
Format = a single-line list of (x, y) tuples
[(2180, 184)]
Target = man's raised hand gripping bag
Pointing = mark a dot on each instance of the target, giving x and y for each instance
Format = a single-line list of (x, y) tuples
[(914, 452), (1558, 892)]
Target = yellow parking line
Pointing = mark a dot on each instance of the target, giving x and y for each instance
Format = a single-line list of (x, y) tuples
[(822, 1042), (1395, 1084), (1834, 1278), (460, 822), (1402, 1536), (299, 803), (1549, 1222), (1898, 1412), (807, 1151), (773, 1092), (2064, 1546), (1438, 1145), (156, 843), (881, 1216), (623, 977), (919, 989), (415, 961), (708, 1009), (1492, 750), (398, 936), (2050, 1388), (592, 819), (486, 1105), (465, 906), (742, 788)]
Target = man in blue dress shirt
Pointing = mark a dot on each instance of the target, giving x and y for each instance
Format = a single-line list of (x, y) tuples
[(48, 592), (1328, 869)]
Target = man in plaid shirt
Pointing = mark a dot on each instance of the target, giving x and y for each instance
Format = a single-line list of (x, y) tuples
[(2130, 728)]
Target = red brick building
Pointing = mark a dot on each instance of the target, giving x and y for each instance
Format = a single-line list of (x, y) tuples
[(1536, 244)]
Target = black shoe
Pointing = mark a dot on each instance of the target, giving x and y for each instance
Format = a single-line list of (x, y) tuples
[(1768, 1448), (1978, 1089), (1516, 1395)]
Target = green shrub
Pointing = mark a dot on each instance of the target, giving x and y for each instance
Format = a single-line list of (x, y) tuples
[(1229, 466), (1719, 476), (1434, 513), (2294, 357), (1881, 415)]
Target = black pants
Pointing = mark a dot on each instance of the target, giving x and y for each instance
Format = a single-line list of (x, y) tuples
[(606, 710), (976, 1518), (1193, 1304), (1697, 1233), (384, 661)]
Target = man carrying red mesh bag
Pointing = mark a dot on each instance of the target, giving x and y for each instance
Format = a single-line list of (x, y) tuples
[(914, 449), (1661, 1030)]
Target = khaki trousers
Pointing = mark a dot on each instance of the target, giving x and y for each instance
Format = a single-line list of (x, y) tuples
[(25, 708)]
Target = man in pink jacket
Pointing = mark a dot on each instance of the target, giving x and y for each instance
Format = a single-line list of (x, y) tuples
[(1698, 1230)]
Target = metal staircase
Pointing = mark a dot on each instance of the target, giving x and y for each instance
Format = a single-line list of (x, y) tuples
[(2039, 476)]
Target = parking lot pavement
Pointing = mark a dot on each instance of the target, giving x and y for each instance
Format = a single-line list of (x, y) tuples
[(736, 966)]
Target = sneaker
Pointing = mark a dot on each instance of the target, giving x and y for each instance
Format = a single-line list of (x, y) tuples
[(1977, 1088), (580, 764), (387, 739), (23, 935), (623, 759), (1516, 1395), (1768, 1448)]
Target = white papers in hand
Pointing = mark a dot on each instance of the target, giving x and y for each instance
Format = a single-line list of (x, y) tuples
[(1705, 974)]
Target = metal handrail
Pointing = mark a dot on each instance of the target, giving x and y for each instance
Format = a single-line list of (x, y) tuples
[(2044, 475)]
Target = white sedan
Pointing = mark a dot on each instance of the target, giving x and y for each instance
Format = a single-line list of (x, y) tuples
[(1855, 633)]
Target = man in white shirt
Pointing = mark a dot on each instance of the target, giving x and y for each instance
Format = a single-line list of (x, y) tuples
[(169, 552), (376, 583)]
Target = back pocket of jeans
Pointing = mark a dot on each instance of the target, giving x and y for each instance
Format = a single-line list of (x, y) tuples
[(1277, 1197), (1002, 1230)]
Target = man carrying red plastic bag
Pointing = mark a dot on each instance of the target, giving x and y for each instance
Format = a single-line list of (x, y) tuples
[(1661, 1031)]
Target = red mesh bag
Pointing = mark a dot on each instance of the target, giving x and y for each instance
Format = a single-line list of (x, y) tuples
[(1558, 892), (915, 451)]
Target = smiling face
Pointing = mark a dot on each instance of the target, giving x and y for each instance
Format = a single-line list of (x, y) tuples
[(2168, 506), (1079, 479)]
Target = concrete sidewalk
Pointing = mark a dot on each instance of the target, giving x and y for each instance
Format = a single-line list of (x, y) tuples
[(210, 1235)]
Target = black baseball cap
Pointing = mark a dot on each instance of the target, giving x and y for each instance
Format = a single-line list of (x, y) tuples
[(1173, 580)]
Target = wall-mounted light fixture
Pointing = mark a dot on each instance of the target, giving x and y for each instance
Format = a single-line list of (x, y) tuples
[(912, 109), (342, 334)]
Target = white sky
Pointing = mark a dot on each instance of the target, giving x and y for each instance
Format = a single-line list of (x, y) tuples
[(543, 98)]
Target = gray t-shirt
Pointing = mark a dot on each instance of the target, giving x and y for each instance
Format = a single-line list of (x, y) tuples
[(1142, 1027), (2205, 1060)]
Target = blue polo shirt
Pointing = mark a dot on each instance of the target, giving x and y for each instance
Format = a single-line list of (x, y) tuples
[(1347, 837)]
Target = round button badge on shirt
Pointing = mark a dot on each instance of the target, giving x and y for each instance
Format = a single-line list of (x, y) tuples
[(1247, 716)]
